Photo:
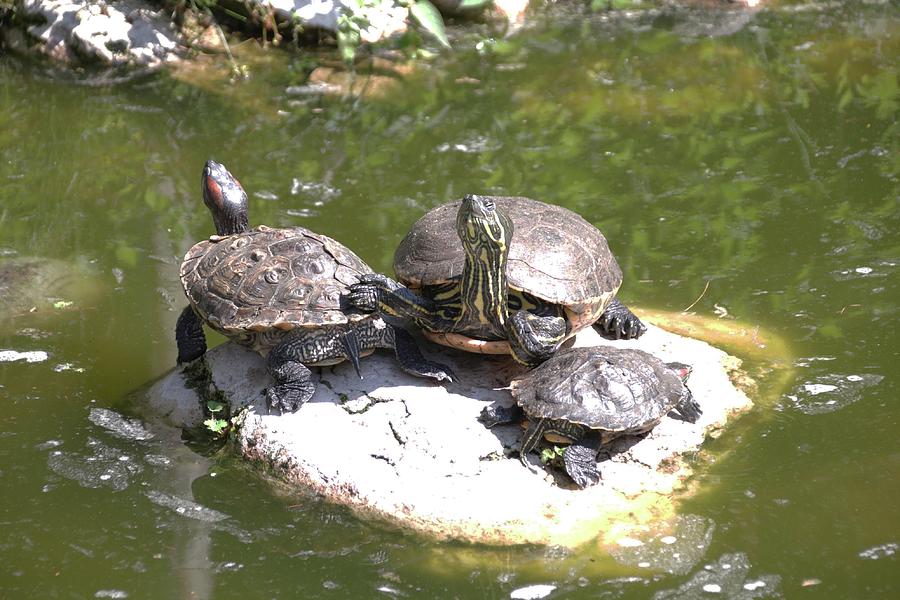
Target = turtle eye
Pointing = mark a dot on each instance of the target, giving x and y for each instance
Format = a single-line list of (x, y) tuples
[(489, 205)]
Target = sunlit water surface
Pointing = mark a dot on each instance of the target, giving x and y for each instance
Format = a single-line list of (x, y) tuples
[(762, 159)]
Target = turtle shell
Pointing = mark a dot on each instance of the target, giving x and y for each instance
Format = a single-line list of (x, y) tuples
[(270, 280), (602, 387), (555, 254)]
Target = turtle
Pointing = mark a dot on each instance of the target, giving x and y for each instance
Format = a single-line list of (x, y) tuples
[(589, 396), (522, 277), (280, 292)]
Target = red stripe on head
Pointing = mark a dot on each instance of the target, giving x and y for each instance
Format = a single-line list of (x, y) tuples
[(214, 191)]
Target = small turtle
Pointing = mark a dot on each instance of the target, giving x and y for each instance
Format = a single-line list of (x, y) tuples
[(502, 275), (587, 397), (279, 292)]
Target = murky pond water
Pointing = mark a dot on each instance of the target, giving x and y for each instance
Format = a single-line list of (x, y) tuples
[(762, 159)]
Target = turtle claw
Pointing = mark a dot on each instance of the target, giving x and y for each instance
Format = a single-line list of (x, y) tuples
[(411, 359), (438, 372), (581, 464), (285, 399), (585, 479), (689, 409), (363, 296), (618, 323)]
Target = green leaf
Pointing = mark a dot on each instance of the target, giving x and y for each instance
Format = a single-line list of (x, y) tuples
[(465, 4), (547, 455), (348, 41), (216, 425), (214, 406), (430, 19)]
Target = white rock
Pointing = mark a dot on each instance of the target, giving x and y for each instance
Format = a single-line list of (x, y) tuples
[(32, 356), (385, 18), (532, 592), (124, 32), (418, 457)]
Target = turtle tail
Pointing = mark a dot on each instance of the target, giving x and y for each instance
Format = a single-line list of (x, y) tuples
[(350, 343)]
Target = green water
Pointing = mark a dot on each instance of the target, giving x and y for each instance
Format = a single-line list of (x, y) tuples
[(764, 162)]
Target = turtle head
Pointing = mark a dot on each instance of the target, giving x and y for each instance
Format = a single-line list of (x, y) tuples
[(225, 199), (682, 370), (482, 225)]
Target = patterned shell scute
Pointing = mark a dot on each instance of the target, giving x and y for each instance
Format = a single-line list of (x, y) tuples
[(555, 254), (614, 389), (270, 279)]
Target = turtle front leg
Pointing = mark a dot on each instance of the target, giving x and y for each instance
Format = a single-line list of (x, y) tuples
[(580, 460), (618, 323), (376, 292), (293, 382), (530, 440), (532, 338), (189, 336), (410, 357)]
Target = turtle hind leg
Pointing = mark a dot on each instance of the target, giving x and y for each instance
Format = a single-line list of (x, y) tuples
[(410, 357), (189, 336), (618, 323), (293, 381), (688, 409), (580, 460)]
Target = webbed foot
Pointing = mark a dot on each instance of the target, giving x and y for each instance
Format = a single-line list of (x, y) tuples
[(618, 323), (411, 359), (364, 295), (293, 383), (532, 338), (689, 409), (581, 464), (288, 398), (434, 370)]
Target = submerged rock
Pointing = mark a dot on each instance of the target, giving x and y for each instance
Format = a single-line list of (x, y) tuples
[(38, 287), (413, 453)]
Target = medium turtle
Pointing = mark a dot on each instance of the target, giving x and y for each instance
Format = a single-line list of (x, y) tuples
[(279, 291), (587, 397), (502, 275)]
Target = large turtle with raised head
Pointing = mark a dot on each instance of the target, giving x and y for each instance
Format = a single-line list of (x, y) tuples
[(279, 292), (587, 397), (498, 274)]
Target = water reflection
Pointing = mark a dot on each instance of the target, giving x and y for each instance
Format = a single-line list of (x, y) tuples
[(728, 576), (153, 462)]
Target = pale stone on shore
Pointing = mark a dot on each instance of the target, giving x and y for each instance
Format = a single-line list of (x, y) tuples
[(413, 453), (125, 32)]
